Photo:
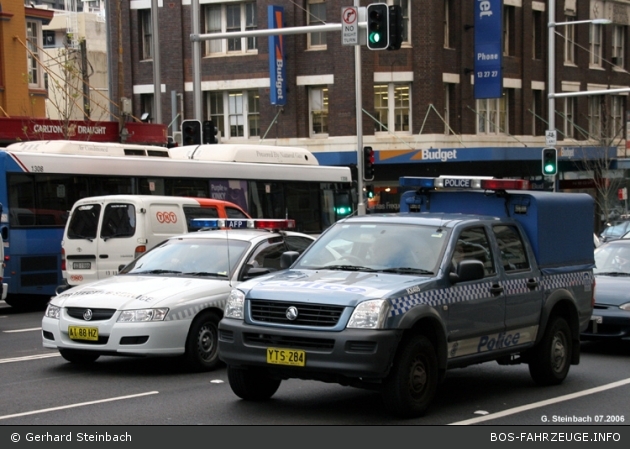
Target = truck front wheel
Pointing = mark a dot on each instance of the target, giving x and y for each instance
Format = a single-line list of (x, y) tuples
[(551, 359), (252, 384), (412, 383)]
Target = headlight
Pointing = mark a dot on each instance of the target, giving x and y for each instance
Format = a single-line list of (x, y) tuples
[(235, 307), (625, 306), (52, 311), (142, 315), (369, 314)]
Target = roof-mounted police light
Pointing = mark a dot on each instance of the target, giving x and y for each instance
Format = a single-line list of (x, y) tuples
[(201, 224), (463, 183)]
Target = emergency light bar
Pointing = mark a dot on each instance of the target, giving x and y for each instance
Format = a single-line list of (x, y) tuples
[(233, 223), (463, 183)]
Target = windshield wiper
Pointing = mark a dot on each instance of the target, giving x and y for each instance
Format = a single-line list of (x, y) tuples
[(406, 270), (613, 273), (345, 268), (156, 272), (205, 273), (84, 237)]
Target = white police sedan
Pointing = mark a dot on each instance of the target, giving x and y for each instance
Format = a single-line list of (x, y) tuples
[(169, 301)]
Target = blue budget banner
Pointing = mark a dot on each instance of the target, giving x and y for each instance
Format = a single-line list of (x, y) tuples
[(488, 48), (277, 70)]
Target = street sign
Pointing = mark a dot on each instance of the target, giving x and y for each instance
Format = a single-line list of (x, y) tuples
[(349, 25), (550, 138)]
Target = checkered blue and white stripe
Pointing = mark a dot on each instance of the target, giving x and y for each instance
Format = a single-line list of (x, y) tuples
[(469, 292)]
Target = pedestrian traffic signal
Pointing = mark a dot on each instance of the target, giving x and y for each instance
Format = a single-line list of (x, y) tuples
[(369, 192), (395, 27), (368, 163), (378, 26), (549, 161), (191, 132), (209, 132)]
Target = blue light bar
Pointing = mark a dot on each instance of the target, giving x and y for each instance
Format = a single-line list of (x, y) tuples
[(417, 182), (205, 223)]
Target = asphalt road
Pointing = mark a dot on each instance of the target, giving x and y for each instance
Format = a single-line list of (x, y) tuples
[(41, 388)]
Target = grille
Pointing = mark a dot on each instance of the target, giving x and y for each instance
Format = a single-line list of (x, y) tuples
[(308, 314), (321, 344), (97, 314)]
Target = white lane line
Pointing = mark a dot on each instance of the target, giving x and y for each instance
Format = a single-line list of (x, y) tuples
[(23, 330), (534, 405), (80, 404), (30, 357)]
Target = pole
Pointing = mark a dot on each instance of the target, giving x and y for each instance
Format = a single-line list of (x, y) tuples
[(361, 208), (551, 71), (157, 83), (196, 54)]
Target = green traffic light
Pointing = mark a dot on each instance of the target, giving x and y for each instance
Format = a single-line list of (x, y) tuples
[(549, 168), (375, 38)]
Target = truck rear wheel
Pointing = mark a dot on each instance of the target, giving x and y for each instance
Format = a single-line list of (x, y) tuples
[(202, 344), (77, 356), (412, 383), (252, 384), (551, 359)]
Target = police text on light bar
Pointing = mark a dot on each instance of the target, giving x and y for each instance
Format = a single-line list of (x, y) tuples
[(265, 223), (466, 183)]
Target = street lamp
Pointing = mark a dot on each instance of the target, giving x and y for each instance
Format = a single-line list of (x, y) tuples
[(551, 68)]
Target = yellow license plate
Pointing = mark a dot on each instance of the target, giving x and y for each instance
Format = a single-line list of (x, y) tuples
[(83, 333), (292, 357)]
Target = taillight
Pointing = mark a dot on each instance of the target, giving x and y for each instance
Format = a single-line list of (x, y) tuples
[(593, 293), (63, 259), (140, 250)]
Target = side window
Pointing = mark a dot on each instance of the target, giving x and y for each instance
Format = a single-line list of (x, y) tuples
[(231, 212), (84, 222), (296, 243), (472, 244), (267, 255), (513, 254), (119, 220), (199, 212)]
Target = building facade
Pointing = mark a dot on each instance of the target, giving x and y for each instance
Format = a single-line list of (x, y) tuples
[(418, 105)]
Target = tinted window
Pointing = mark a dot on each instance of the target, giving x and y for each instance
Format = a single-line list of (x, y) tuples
[(232, 212), (472, 244), (513, 255), (84, 222), (119, 220)]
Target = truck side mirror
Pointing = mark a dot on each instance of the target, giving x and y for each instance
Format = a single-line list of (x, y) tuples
[(287, 258), (467, 270)]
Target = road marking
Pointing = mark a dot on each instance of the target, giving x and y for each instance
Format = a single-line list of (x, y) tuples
[(23, 330), (30, 357), (80, 404), (534, 405)]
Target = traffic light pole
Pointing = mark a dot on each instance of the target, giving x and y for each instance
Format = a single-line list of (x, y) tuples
[(361, 207)]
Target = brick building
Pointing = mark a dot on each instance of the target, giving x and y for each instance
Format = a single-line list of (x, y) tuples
[(420, 110)]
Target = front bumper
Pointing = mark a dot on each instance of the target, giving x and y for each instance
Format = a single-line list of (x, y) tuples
[(352, 353), (610, 322)]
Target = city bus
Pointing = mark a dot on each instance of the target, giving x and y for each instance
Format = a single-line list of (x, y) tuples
[(41, 180)]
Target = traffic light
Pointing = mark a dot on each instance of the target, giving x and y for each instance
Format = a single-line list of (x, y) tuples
[(209, 132), (377, 26), (369, 192), (395, 27), (191, 132), (549, 161), (368, 163)]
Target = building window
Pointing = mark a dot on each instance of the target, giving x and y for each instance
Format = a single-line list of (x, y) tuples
[(316, 15), (537, 34), (449, 98), (618, 50), (33, 36), (595, 43), (595, 117), (569, 41), (447, 24), (146, 33), (538, 125), (243, 107), (508, 30), (318, 106), (404, 7), (226, 18), (146, 105), (492, 115), (568, 122), (392, 106), (616, 117), (49, 38)]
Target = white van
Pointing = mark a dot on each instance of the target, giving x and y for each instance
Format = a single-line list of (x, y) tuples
[(105, 233)]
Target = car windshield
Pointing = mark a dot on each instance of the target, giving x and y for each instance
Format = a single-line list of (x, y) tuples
[(612, 258), (385, 247), (193, 257)]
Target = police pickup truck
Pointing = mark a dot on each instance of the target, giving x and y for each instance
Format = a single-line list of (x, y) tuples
[(392, 301)]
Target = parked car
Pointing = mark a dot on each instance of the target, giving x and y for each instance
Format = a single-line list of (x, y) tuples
[(615, 231), (611, 313), (168, 301)]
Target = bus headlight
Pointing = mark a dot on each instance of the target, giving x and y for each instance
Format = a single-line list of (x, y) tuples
[(52, 311), (369, 314), (142, 315), (235, 307)]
